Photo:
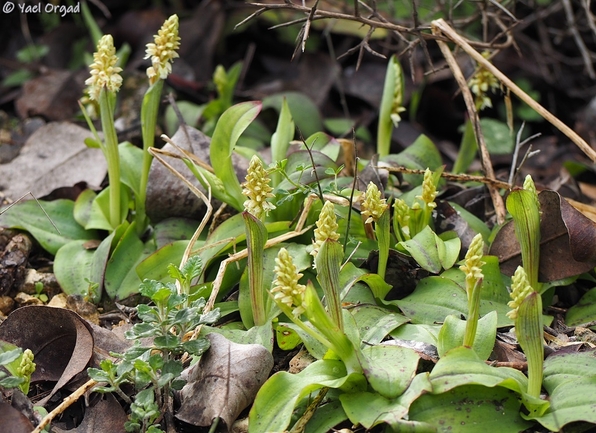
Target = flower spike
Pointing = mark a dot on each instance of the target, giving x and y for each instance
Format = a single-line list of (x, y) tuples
[(326, 227), (373, 206), (257, 189), (104, 72), (287, 290), (163, 50)]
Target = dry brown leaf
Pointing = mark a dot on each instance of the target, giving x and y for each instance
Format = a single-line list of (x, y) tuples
[(224, 382), (566, 244)]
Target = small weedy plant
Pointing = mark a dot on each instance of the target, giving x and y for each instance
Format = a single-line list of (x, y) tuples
[(154, 370)]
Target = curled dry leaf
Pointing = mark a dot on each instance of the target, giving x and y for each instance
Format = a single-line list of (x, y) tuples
[(224, 382), (567, 240), (60, 340)]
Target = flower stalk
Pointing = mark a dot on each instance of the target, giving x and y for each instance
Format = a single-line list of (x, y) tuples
[(526, 310), (162, 52), (103, 84), (296, 300), (524, 206), (391, 105)]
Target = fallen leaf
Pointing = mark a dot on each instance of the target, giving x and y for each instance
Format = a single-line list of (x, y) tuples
[(14, 421), (567, 240), (61, 342), (53, 157), (224, 382), (53, 95)]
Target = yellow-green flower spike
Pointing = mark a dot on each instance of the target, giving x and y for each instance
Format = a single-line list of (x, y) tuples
[(401, 218), (429, 190), (326, 227), (373, 206), (481, 83), (104, 72), (520, 289), (473, 263), (286, 288), (530, 186), (397, 107), (163, 50), (257, 189)]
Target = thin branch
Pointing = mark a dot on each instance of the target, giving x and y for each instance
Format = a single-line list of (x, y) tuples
[(473, 114), (578, 40), (572, 135)]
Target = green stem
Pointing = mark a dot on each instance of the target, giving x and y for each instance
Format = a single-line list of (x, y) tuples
[(473, 314), (149, 111), (528, 328), (107, 102), (382, 232)]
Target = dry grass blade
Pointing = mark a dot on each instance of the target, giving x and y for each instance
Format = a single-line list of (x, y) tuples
[(442, 26)]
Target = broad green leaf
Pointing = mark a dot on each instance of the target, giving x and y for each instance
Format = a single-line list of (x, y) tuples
[(370, 409), (88, 213), (121, 279), (155, 266), (431, 251), (174, 229), (419, 155), (417, 332), (286, 337), (453, 330), (559, 369), (275, 401), (262, 335), (584, 311), (390, 369), (498, 138), (304, 111), (130, 169), (350, 275), (280, 141), (29, 216), (571, 401), (437, 297), (375, 323), (471, 409), (230, 126), (461, 366), (326, 417), (76, 267), (100, 208)]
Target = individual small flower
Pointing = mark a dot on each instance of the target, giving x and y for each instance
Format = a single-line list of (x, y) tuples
[(520, 290), (326, 227), (373, 206), (429, 190), (473, 263), (286, 288), (163, 50), (481, 83), (257, 189), (104, 72)]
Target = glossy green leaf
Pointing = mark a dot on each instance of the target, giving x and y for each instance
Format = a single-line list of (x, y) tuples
[(121, 279), (280, 141), (130, 167), (453, 330), (286, 337), (275, 401), (437, 297), (88, 213), (375, 323), (155, 266), (230, 126), (471, 409), (419, 155), (304, 111), (29, 216), (390, 369), (417, 332), (461, 366), (498, 137), (431, 252), (350, 275), (584, 311), (370, 409), (73, 266)]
